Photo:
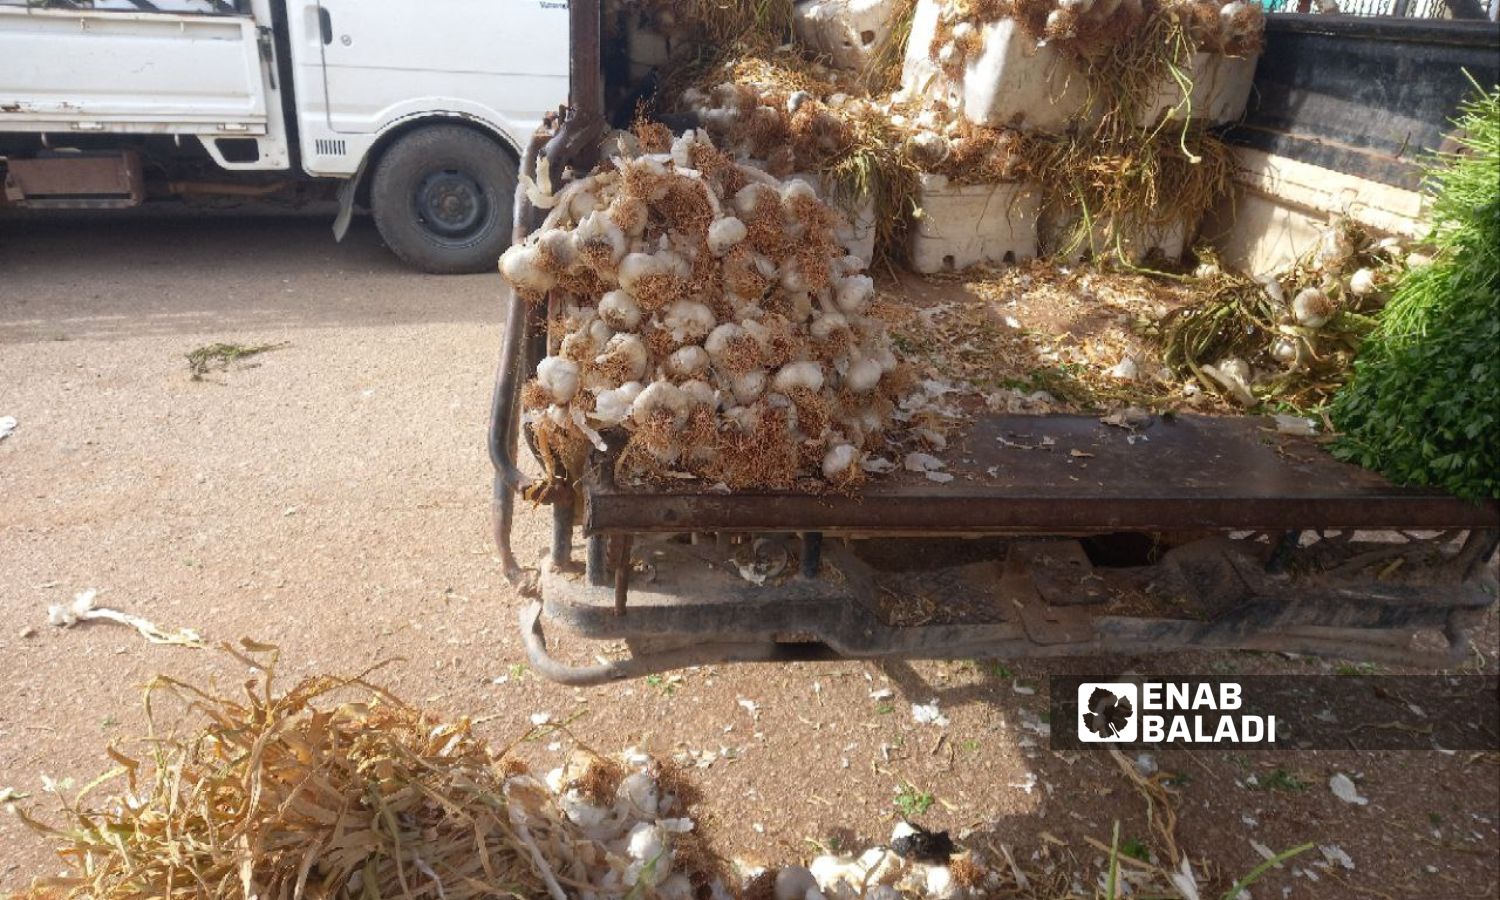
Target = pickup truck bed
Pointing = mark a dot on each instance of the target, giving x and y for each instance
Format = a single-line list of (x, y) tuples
[(1058, 536), (1051, 474)]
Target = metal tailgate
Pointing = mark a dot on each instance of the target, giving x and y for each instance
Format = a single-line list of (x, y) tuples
[(144, 72)]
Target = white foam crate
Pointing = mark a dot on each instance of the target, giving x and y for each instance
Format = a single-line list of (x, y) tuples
[(848, 32), (966, 225), (1011, 83), (855, 230), (1221, 89), (920, 76)]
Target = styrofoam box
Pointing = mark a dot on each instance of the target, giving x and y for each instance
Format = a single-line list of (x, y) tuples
[(965, 225), (848, 32), (855, 230), (1221, 89), (1012, 82), (920, 76)]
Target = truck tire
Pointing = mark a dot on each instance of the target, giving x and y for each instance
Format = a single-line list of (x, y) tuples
[(442, 199)]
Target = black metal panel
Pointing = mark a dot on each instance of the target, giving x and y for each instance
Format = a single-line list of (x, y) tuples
[(1365, 96), (1051, 474)]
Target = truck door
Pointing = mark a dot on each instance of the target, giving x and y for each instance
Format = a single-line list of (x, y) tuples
[(503, 62)]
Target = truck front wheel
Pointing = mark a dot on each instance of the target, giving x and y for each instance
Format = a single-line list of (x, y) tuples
[(442, 199)]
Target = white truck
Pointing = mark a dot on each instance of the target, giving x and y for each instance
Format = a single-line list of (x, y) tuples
[(417, 110)]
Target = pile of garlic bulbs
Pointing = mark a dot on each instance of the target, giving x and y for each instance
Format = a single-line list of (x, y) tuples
[(1236, 28), (876, 874), (1085, 28), (708, 312), (1091, 28), (610, 829), (791, 131), (944, 142)]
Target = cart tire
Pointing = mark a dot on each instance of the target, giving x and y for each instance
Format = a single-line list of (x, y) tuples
[(442, 199)]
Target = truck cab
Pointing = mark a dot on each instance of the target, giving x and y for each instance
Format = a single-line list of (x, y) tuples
[(420, 111)]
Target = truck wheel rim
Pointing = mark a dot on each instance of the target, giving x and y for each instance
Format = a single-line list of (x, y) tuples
[(451, 204)]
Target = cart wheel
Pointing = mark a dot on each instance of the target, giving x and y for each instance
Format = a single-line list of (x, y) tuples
[(442, 199)]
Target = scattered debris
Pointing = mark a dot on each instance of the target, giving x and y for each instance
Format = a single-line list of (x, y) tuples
[(1296, 425), (11, 795), (928, 714), (1344, 789), (221, 356), (7, 426), (1335, 855), (82, 609)]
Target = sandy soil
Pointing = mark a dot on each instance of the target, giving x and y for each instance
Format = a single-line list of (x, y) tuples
[(331, 496)]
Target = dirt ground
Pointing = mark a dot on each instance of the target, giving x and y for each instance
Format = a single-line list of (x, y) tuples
[(331, 496)]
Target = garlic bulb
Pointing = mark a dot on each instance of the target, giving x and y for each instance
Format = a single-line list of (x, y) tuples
[(521, 265), (626, 354), (1312, 308), (612, 407), (1284, 351), (620, 311), (853, 293), (863, 375), (688, 321), (598, 234), (795, 883), (660, 397), (840, 462), (559, 376), (725, 233), (700, 393), (808, 375), (688, 362), (1362, 283), (747, 388)]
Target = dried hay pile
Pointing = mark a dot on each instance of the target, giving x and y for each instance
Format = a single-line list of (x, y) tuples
[(708, 315), (335, 788)]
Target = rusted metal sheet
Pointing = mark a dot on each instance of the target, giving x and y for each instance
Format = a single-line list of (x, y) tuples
[(1052, 474), (76, 181)]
